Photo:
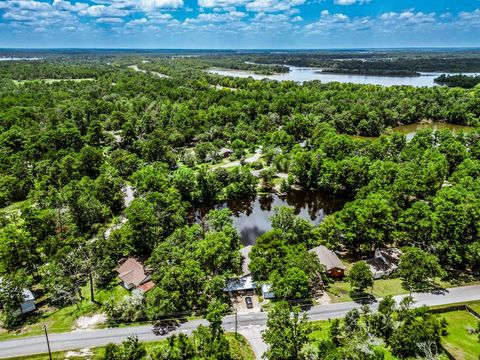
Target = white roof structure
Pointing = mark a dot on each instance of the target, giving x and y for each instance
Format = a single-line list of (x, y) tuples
[(241, 284)]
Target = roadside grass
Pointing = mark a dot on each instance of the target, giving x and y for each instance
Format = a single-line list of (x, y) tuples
[(459, 342), (340, 290), (240, 349), (63, 319)]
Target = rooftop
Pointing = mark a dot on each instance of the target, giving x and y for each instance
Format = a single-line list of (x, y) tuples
[(328, 258)]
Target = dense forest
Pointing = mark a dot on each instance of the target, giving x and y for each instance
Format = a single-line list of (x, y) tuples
[(463, 81), (374, 62), (69, 149)]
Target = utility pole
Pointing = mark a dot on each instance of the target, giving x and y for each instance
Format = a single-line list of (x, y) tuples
[(48, 342), (236, 323)]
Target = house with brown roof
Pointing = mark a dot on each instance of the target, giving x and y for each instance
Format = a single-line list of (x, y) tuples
[(133, 275), (330, 260)]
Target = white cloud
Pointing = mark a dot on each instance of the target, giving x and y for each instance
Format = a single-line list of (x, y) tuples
[(109, 20), (273, 5), (103, 11), (67, 6), (211, 18), (142, 5), (270, 18), (350, 2), (221, 3), (137, 22)]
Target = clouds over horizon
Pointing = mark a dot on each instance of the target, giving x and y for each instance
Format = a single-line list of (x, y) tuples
[(275, 21)]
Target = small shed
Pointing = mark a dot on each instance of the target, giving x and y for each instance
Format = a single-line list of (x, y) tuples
[(28, 304), (330, 260), (267, 292)]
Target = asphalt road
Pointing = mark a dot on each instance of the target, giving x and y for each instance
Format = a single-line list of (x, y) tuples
[(250, 325)]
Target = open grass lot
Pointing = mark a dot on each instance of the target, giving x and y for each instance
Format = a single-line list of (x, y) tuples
[(63, 320), (241, 350), (459, 342), (339, 291)]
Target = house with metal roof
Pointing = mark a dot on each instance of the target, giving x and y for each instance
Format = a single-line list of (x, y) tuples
[(240, 286)]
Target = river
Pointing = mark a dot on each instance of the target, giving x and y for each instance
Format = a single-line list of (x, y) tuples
[(302, 74), (251, 216)]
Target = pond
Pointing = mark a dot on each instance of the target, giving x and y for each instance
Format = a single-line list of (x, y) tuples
[(411, 129), (302, 74), (251, 216)]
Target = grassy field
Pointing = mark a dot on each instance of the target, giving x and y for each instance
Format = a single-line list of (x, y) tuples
[(459, 342), (339, 291), (63, 320), (241, 350)]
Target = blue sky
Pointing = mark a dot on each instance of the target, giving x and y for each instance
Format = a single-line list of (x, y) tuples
[(239, 23)]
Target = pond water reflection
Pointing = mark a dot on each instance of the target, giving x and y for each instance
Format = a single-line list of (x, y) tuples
[(251, 216)]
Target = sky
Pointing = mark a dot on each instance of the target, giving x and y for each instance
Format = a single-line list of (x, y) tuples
[(239, 24)]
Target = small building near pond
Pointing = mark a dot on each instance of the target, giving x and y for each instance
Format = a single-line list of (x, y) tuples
[(133, 275), (330, 260)]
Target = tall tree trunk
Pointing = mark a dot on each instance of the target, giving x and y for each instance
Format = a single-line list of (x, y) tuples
[(92, 292)]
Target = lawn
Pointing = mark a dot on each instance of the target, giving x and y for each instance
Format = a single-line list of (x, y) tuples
[(339, 291), (459, 342), (63, 320), (241, 350)]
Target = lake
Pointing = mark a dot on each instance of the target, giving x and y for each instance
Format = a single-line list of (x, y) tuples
[(251, 216), (302, 74), (411, 129)]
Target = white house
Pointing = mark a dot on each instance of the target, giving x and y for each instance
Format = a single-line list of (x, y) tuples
[(384, 262)]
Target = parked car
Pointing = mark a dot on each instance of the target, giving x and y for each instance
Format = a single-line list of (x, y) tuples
[(163, 327), (249, 302)]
